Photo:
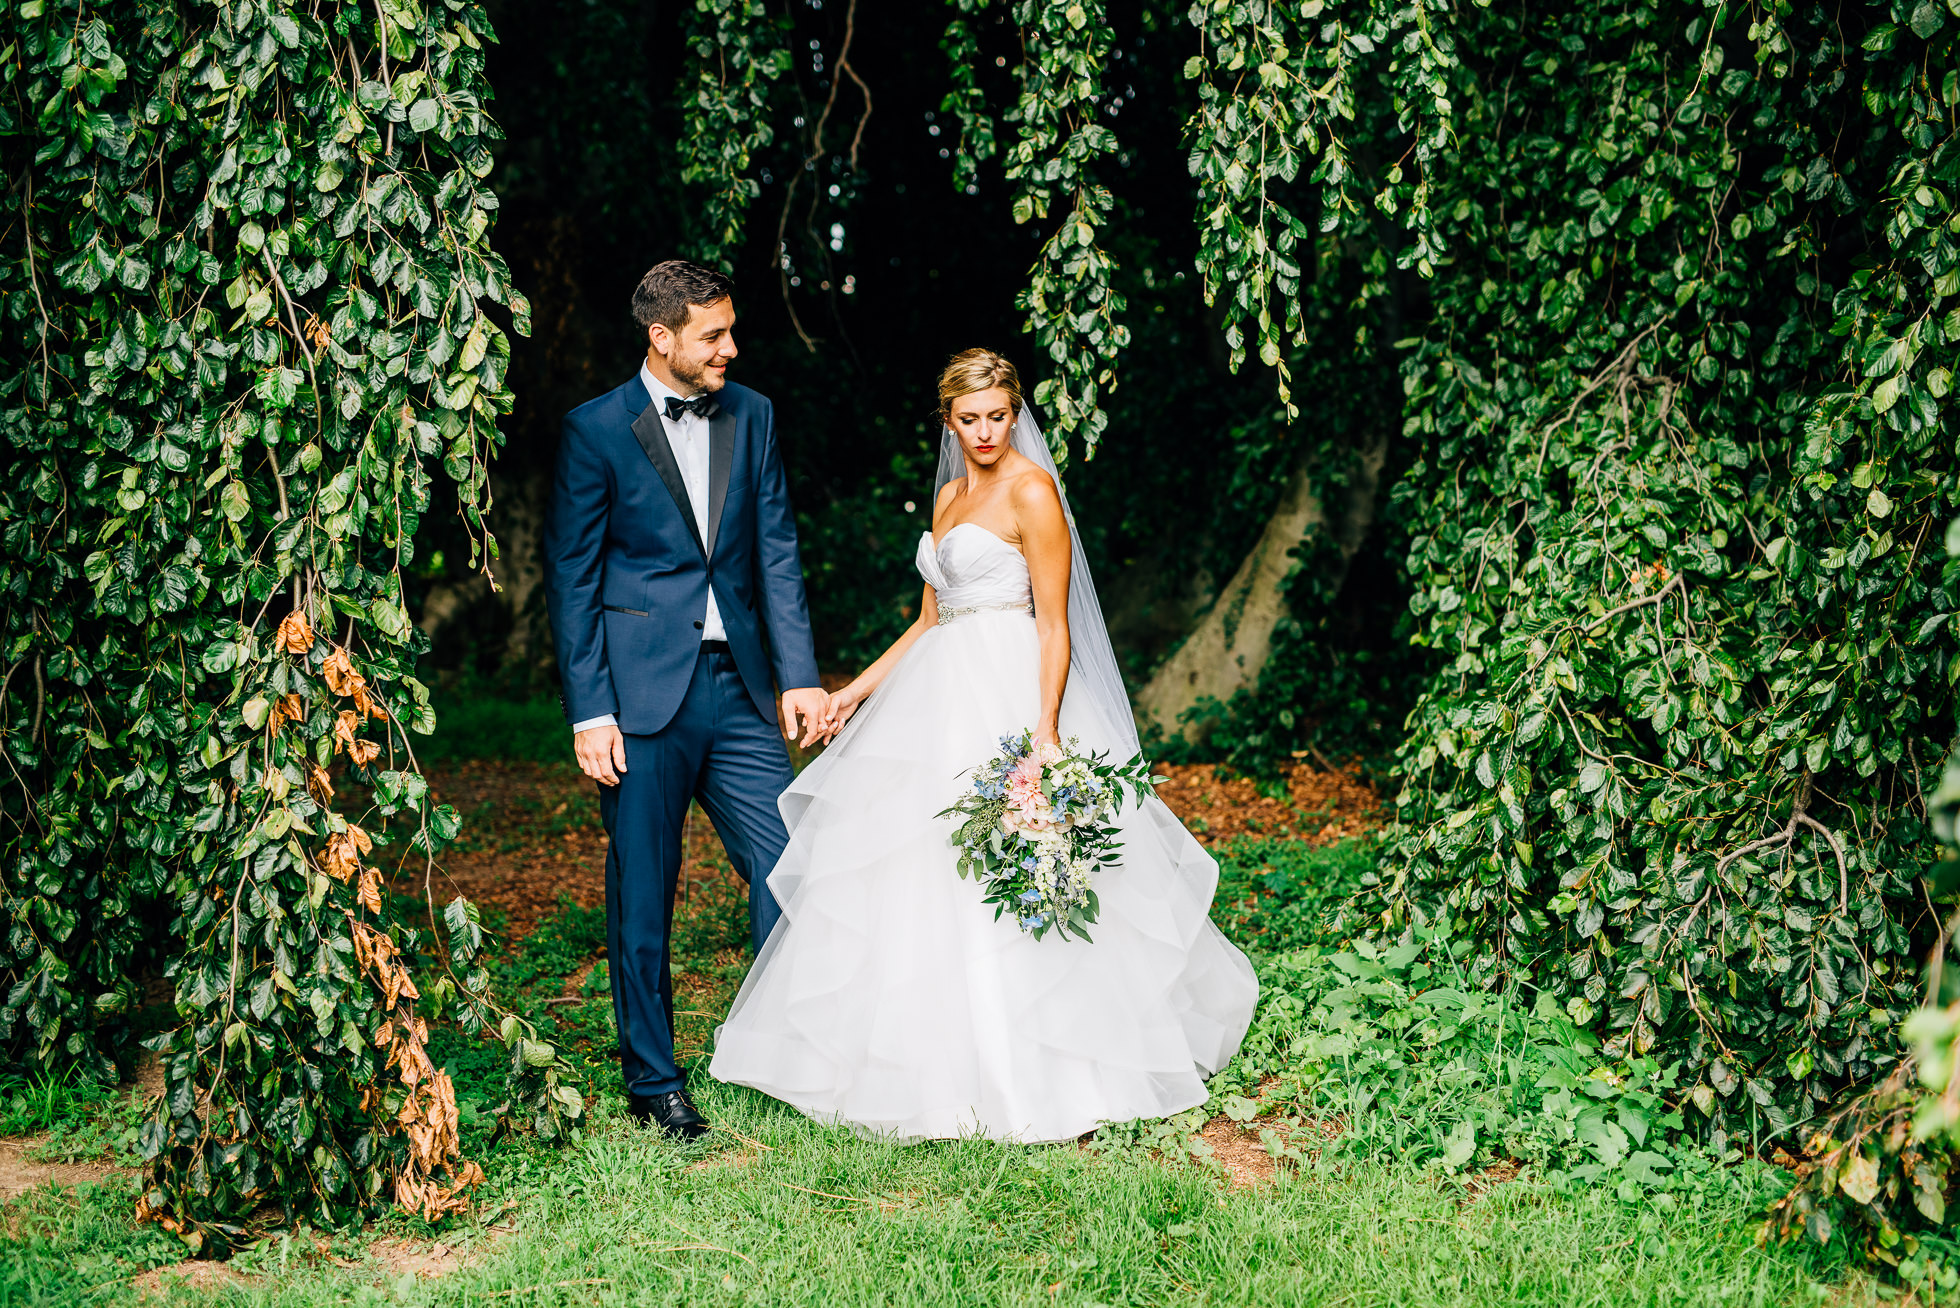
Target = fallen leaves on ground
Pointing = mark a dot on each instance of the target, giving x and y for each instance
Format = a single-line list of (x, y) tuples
[(1319, 807)]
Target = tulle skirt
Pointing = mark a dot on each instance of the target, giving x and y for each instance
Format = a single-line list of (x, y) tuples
[(889, 998)]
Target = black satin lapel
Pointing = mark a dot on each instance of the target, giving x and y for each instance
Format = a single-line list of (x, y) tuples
[(721, 453), (652, 435)]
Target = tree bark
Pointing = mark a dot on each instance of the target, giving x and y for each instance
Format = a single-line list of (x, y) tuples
[(1227, 651)]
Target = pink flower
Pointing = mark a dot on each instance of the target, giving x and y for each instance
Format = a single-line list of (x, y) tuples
[(1033, 820), (1048, 753)]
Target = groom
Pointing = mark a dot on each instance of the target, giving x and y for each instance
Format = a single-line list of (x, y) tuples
[(676, 599)]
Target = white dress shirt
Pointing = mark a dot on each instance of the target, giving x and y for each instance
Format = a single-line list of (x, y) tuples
[(688, 436)]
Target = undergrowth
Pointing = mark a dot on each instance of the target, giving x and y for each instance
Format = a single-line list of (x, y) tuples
[(1395, 1057)]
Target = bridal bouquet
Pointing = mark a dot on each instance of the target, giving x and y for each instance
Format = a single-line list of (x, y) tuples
[(1034, 830)]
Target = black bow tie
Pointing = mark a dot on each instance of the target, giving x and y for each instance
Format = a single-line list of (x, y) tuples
[(704, 404)]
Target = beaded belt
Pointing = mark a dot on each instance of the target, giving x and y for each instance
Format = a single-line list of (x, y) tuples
[(947, 615)]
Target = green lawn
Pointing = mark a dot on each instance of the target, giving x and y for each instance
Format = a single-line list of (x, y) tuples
[(773, 1209), (814, 1216)]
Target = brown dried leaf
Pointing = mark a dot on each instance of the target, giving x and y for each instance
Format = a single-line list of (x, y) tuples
[(341, 858), (363, 752), (369, 891), (285, 708), (295, 633), (340, 674), (319, 784), (344, 728)]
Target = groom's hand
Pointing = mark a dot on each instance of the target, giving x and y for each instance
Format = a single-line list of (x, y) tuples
[(812, 704), (600, 750)]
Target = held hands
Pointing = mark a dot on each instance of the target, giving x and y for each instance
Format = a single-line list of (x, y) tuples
[(600, 751), (842, 705), (813, 706)]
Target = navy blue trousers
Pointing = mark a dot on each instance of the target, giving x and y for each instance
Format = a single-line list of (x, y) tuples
[(720, 750)]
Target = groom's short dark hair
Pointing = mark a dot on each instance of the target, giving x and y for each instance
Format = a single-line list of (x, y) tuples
[(666, 292)]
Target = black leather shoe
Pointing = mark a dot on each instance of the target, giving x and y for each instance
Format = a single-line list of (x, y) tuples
[(673, 1113)]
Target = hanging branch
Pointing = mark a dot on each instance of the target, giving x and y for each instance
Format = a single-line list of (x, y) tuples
[(809, 165), (725, 119), (202, 773), (1072, 305)]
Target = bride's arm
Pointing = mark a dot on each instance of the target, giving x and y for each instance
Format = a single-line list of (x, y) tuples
[(1044, 540), (844, 702)]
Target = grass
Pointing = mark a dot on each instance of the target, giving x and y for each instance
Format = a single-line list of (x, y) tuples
[(45, 1100), (810, 1215), (773, 1209), (76, 1246)]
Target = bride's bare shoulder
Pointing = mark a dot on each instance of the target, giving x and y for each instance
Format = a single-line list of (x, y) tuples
[(1033, 488), (947, 494)]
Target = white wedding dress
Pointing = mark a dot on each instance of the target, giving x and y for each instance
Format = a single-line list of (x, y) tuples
[(889, 998)]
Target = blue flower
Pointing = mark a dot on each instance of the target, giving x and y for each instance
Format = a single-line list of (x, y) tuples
[(1030, 896)]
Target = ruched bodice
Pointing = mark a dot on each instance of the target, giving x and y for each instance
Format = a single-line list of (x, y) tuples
[(971, 568)]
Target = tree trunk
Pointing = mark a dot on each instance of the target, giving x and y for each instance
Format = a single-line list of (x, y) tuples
[(1227, 651)]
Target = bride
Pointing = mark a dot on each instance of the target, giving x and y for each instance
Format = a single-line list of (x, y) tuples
[(889, 997)]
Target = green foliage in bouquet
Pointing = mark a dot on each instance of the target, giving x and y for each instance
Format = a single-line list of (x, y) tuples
[(245, 295), (1034, 831)]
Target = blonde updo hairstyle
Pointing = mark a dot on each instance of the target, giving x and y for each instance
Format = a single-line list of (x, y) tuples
[(977, 370)]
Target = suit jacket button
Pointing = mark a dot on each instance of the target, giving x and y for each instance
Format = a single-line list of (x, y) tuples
[(697, 626)]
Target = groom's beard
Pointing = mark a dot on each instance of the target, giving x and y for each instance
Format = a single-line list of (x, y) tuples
[(698, 375)]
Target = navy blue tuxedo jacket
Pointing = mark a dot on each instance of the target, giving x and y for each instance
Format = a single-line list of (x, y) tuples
[(627, 573)]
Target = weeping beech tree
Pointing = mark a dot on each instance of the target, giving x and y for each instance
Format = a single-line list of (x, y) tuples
[(245, 292), (1669, 289)]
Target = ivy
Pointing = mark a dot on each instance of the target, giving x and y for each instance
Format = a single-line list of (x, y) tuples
[(244, 301)]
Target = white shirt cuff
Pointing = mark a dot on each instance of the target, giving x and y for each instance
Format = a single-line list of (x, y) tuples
[(608, 720)]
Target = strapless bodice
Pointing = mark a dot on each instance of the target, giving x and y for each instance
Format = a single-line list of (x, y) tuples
[(971, 568)]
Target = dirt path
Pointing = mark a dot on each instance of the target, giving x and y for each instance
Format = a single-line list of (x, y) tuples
[(19, 1173)]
